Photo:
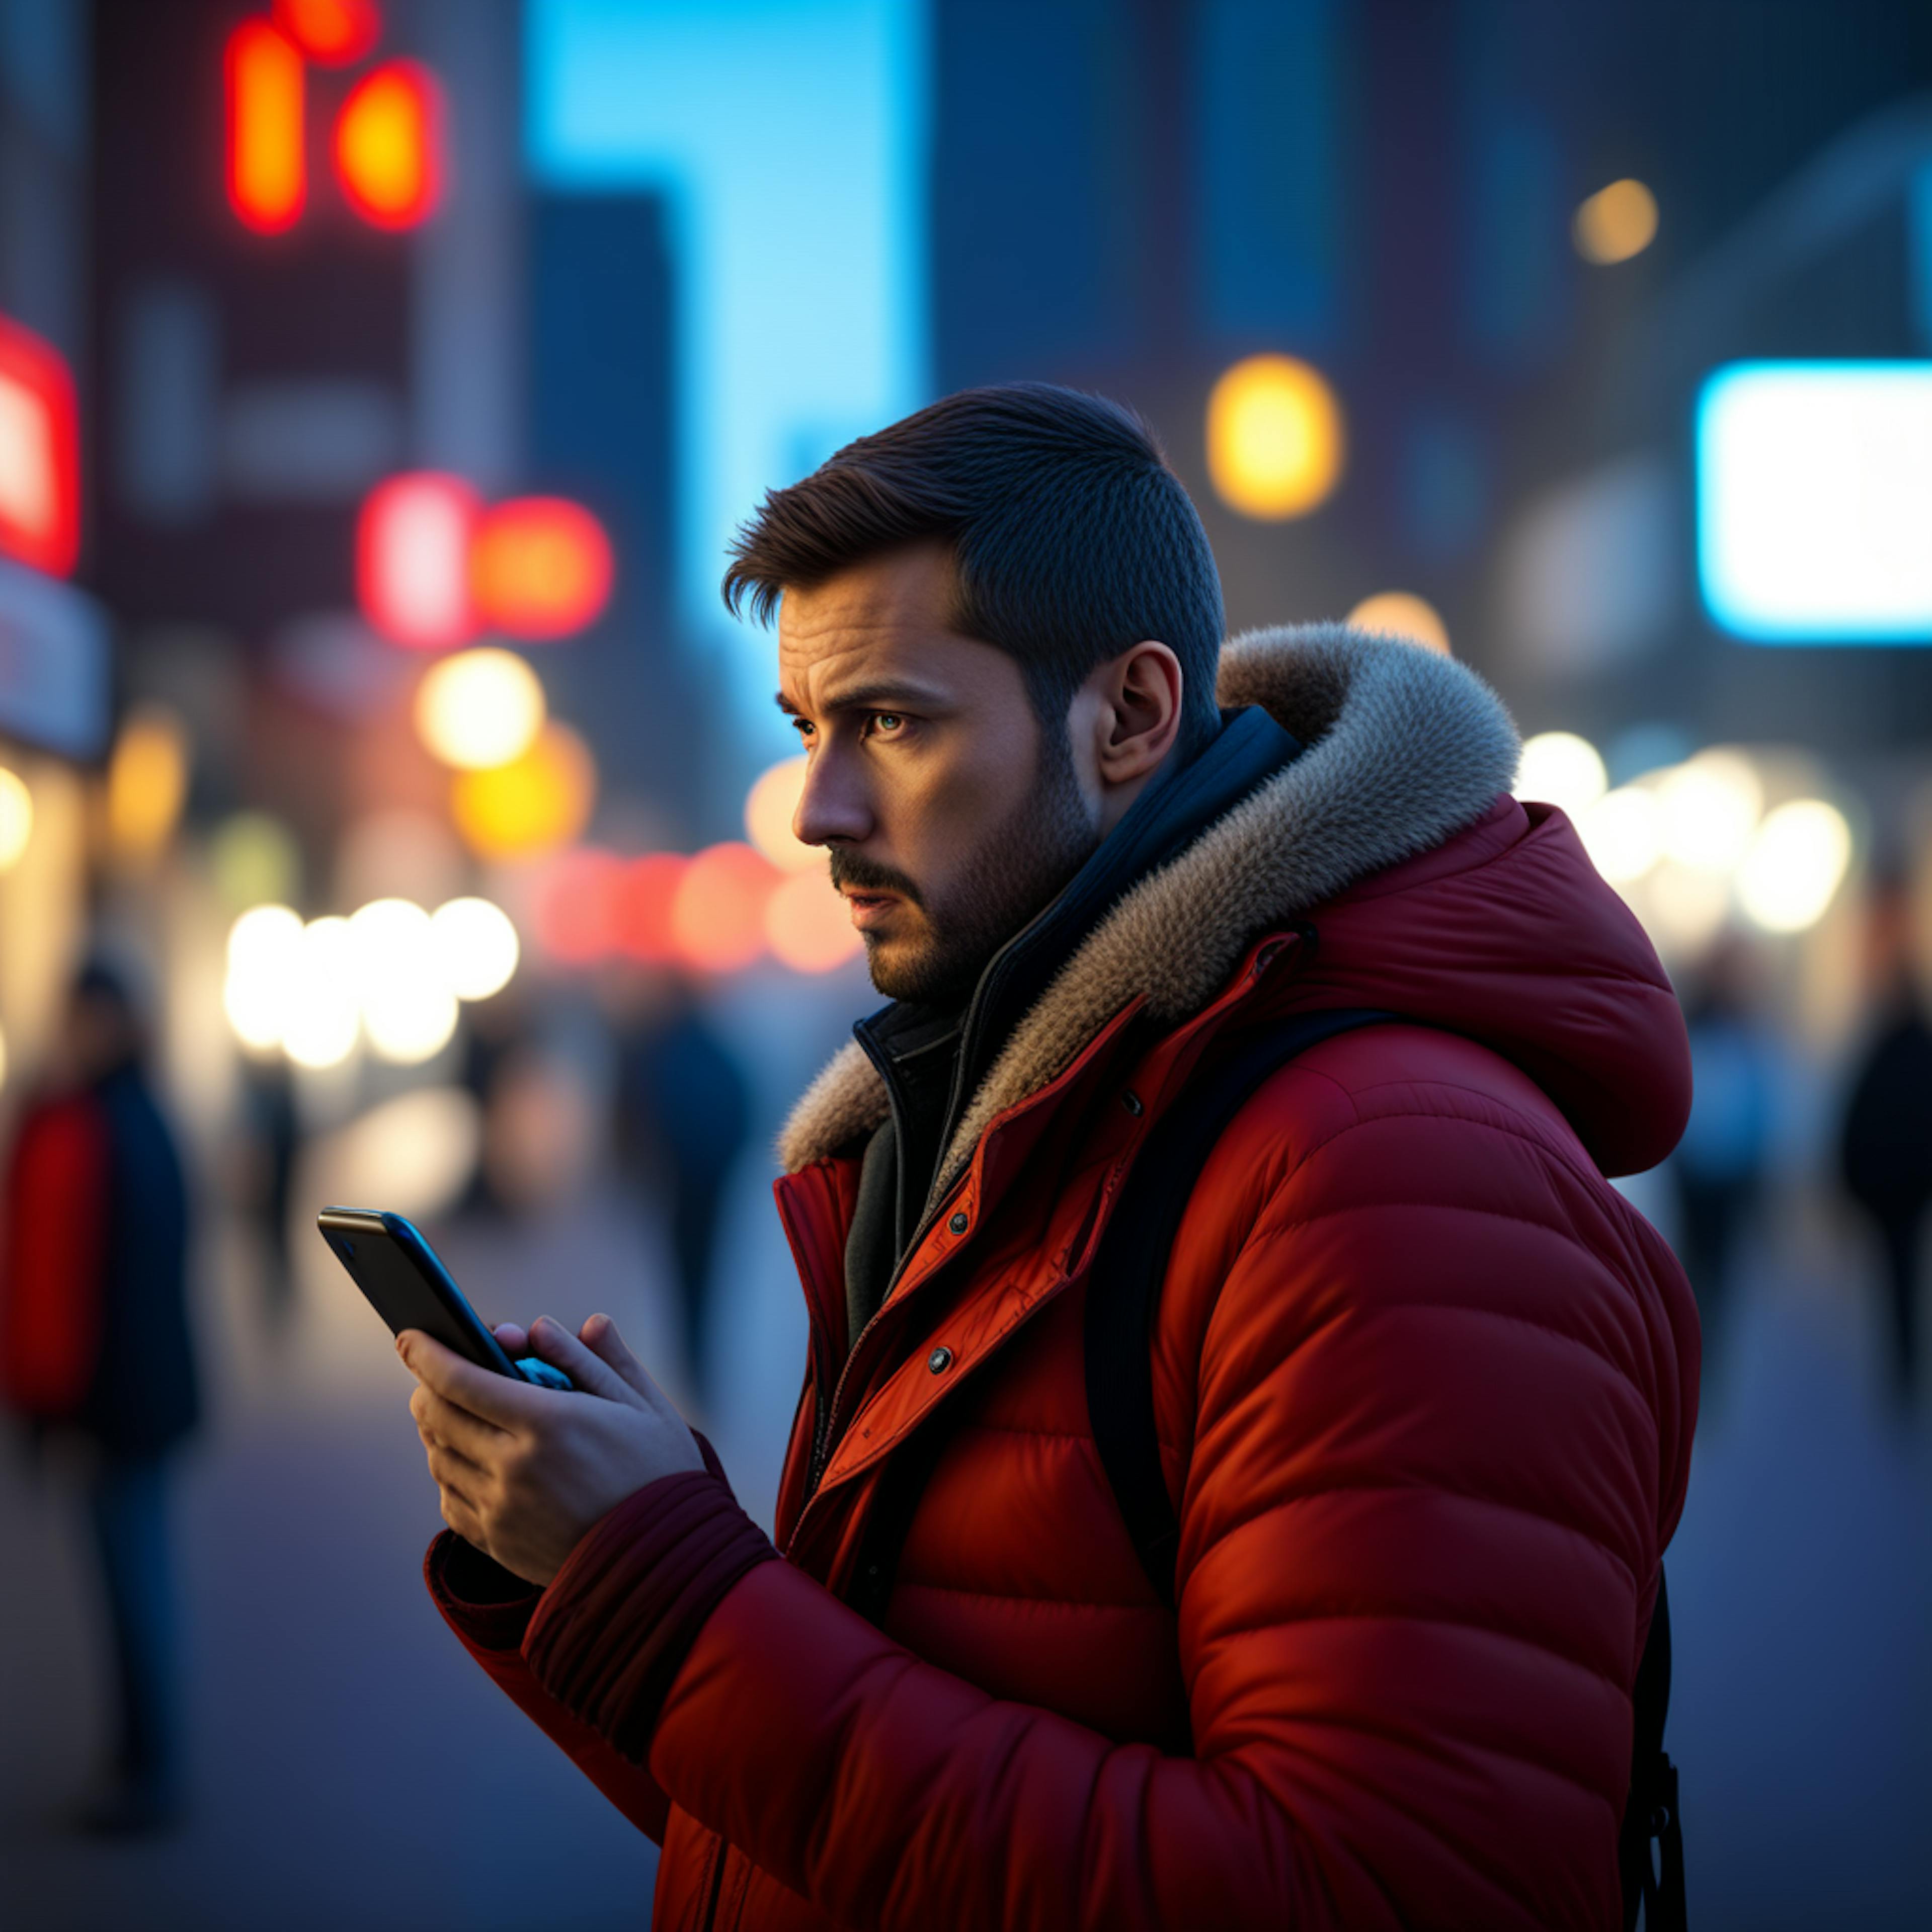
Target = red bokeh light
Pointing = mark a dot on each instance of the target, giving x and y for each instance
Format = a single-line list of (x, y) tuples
[(576, 907), (40, 453), (412, 543), (332, 33), (388, 141), (540, 567), (643, 928), (718, 916), (267, 166)]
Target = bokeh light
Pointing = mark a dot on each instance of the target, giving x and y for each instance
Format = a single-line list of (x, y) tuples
[(1615, 222), (264, 950), (3, 1061), (267, 165), (412, 558), (531, 806), (16, 817), (254, 857), (642, 926), (1558, 768), (575, 906), (476, 946), (1684, 906), (479, 708), (147, 782), (808, 925), (718, 915), (322, 1019), (1711, 804), (1623, 832), (540, 567), (1401, 613), (407, 1005), (1275, 444), (769, 810), (332, 33), (1797, 860), (388, 145)]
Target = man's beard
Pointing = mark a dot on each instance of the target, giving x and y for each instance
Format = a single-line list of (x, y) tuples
[(1016, 873)]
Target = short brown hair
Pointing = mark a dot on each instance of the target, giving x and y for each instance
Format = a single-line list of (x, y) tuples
[(1071, 539)]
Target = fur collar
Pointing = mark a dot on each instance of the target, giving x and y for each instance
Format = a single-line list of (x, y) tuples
[(1404, 748)]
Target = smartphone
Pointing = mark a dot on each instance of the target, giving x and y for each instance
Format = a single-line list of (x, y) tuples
[(405, 1282)]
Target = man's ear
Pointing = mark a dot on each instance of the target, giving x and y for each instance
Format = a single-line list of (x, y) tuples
[(1139, 713)]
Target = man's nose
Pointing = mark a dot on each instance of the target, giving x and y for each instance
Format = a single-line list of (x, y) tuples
[(832, 807)]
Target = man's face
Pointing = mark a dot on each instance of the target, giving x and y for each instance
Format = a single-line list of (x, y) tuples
[(952, 818)]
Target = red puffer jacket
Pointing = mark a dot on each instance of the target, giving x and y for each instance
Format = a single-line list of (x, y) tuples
[(1425, 1388)]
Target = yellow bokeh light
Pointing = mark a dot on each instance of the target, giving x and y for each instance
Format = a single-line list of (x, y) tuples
[(479, 708), (1400, 613), (16, 817), (808, 925), (533, 804), (1616, 222), (147, 782), (1275, 444), (768, 816)]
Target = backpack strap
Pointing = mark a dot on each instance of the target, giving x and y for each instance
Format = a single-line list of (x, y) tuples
[(1651, 1812), (1123, 1295), (1124, 1288)]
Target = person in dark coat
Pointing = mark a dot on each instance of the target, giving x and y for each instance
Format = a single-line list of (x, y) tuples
[(683, 1115), (1885, 1149), (94, 1341)]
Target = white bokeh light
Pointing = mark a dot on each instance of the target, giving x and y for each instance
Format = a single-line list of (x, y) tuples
[(1623, 832), (1796, 863), (1711, 805), (1558, 768), (321, 1025), (264, 946), (476, 946), (407, 1007)]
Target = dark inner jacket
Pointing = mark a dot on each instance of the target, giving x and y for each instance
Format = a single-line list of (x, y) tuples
[(933, 1058)]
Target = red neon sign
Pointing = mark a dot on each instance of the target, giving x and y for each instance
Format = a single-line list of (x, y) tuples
[(332, 33), (388, 145), (413, 545), (540, 567), (268, 168), (40, 453)]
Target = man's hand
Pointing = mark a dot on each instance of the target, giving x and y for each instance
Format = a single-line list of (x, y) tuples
[(524, 1471)]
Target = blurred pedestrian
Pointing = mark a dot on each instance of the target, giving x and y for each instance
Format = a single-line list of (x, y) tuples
[(95, 1343), (683, 1112), (1719, 1166), (1885, 1151)]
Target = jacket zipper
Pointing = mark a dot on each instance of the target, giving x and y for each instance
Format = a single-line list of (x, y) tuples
[(821, 1434)]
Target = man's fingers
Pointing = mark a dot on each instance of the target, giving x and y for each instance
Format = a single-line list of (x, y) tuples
[(496, 1398), (477, 1441), (558, 1346), (454, 1472), (599, 1334), (512, 1338)]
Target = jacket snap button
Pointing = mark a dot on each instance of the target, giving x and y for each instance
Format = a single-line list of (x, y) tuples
[(957, 1224), (1132, 1102), (940, 1361)]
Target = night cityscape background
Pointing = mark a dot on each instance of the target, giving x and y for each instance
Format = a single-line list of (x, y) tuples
[(381, 383)]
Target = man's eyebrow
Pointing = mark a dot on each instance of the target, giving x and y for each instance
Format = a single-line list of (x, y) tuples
[(872, 698)]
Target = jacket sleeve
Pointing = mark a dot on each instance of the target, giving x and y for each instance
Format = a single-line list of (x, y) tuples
[(1419, 1529)]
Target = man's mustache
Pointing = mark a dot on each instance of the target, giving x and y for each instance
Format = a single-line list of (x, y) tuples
[(853, 871)]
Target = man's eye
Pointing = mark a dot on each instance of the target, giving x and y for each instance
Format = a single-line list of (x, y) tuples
[(887, 722), (803, 727)]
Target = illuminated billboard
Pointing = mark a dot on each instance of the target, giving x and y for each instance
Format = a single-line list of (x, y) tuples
[(1814, 501)]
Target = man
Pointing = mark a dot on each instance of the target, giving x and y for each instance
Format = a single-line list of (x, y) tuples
[(95, 1343), (1423, 1385)]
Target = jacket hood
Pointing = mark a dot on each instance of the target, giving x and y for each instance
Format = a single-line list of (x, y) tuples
[(1434, 894)]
